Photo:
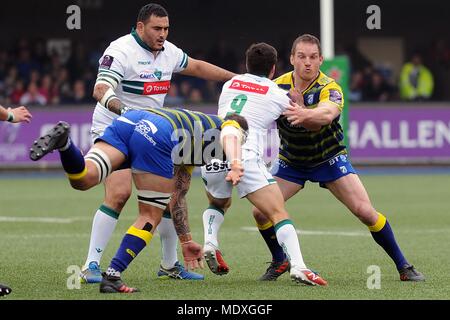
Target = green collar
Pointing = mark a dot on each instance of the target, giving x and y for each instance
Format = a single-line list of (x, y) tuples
[(140, 42)]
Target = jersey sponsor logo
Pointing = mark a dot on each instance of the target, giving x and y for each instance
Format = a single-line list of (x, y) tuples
[(310, 99), (145, 127), (217, 166), (107, 62), (151, 88), (151, 75), (249, 87), (144, 62), (335, 96)]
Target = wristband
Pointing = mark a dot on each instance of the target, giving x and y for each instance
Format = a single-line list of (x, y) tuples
[(10, 117), (123, 109)]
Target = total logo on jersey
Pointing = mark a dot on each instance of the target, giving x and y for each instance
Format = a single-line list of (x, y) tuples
[(248, 86), (160, 87)]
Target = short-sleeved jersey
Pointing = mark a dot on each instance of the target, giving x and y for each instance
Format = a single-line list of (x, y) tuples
[(259, 101), (300, 147), (143, 79), (197, 132)]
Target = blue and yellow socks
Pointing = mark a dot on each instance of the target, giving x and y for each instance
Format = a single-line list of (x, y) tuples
[(383, 235), (268, 233), (132, 244), (72, 160)]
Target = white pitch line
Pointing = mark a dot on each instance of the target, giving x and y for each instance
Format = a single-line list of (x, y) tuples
[(53, 219), (321, 232), (36, 219), (354, 233)]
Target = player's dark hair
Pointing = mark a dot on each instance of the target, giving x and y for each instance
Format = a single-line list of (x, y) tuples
[(149, 10), (260, 58), (309, 38), (239, 119)]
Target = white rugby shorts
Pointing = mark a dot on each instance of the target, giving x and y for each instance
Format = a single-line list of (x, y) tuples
[(101, 118), (256, 176)]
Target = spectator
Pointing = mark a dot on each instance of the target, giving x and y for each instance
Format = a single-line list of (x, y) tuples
[(79, 95), (378, 89), (17, 93), (196, 96), (416, 80), (173, 98), (63, 84), (48, 90), (32, 96), (356, 86)]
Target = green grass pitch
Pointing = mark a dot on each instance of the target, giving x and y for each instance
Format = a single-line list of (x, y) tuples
[(45, 228)]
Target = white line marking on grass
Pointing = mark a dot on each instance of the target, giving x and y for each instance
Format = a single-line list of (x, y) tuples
[(36, 219), (353, 233), (321, 232), (44, 236), (52, 219)]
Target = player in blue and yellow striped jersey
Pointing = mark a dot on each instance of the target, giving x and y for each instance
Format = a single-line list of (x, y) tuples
[(150, 143), (312, 149)]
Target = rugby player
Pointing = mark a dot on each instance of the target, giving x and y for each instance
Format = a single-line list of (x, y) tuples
[(135, 72), (146, 142), (320, 155), (258, 99)]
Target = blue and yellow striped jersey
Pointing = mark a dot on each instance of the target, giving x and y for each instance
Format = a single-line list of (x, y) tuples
[(300, 147), (199, 128)]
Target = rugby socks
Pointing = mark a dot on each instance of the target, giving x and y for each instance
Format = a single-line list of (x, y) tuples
[(169, 241), (383, 235), (72, 159), (103, 225), (212, 221), (288, 240), (268, 233), (132, 243)]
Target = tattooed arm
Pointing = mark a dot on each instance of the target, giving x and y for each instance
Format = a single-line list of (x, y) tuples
[(178, 204), (192, 251)]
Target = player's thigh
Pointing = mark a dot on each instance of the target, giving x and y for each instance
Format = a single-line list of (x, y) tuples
[(288, 188), (118, 185), (351, 192), (269, 200)]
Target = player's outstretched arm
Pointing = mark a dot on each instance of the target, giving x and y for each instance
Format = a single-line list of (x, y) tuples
[(323, 115), (192, 251), (19, 114), (207, 71)]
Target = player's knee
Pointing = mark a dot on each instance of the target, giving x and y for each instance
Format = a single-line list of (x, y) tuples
[(365, 212), (260, 218), (222, 204), (118, 197), (79, 185)]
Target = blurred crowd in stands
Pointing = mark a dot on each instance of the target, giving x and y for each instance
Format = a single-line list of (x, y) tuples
[(33, 75)]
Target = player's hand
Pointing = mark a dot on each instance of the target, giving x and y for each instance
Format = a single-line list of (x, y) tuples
[(296, 95), (192, 254), (21, 114), (235, 173), (295, 113)]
